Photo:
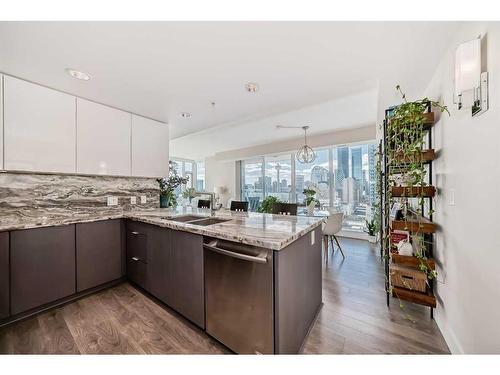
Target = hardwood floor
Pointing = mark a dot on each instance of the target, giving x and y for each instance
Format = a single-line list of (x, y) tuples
[(121, 320), (355, 318)]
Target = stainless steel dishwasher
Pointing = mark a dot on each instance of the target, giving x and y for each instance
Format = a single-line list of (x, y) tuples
[(239, 296)]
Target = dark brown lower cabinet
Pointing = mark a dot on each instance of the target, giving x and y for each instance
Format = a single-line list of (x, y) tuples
[(148, 258), (159, 259), (4, 275), (136, 254), (99, 247), (169, 265), (187, 279), (42, 266)]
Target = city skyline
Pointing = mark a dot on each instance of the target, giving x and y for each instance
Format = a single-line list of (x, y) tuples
[(349, 187)]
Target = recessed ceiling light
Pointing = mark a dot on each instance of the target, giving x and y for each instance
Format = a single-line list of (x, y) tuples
[(252, 87), (78, 75), (185, 114)]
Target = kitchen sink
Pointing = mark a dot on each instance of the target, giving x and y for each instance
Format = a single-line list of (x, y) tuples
[(184, 218), (196, 220), (208, 221)]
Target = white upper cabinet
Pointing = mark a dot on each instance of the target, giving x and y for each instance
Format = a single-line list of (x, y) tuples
[(39, 128), (149, 147), (103, 139)]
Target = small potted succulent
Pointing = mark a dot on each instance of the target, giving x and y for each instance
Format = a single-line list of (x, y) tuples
[(168, 186), (371, 230)]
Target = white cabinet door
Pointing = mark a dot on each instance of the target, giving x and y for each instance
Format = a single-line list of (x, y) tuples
[(39, 128), (149, 147), (103, 139)]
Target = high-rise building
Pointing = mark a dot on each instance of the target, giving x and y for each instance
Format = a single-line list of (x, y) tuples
[(268, 183), (299, 183), (350, 191), (284, 185), (356, 163), (259, 184), (372, 173), (319, 174), (343, 161)]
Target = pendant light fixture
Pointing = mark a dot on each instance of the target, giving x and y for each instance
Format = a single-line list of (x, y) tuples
[(305, 154)]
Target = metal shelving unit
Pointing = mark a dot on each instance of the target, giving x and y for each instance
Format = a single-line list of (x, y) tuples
[(423, 225)]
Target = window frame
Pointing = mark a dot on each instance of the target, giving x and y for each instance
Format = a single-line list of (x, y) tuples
[(332, 188)]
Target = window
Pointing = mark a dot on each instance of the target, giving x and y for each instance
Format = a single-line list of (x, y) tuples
[(252, 182), (354, 183), (200, 176), (184, 168), (278, 177), (188, 172), (314, 174), (344, 177)]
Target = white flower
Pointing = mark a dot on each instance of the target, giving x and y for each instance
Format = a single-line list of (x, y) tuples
[(315, 188)]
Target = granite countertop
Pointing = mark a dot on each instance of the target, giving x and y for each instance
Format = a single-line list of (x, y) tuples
[(265, 230)]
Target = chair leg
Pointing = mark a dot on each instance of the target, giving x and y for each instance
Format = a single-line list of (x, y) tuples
[(340, 248), (325, 246), (333, 247)]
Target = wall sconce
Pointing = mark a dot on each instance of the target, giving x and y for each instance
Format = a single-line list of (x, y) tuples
[(471, 85)]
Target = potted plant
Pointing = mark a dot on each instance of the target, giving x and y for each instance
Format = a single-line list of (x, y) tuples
[(267, 204), (310, 201), (168, 186), (189, 193), (371, 230)]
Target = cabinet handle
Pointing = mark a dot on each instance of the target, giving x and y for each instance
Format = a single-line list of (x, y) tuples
[(135, 259), (135, 233), (256, 259)]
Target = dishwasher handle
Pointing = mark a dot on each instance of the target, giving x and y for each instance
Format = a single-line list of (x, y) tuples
[(211, 246)]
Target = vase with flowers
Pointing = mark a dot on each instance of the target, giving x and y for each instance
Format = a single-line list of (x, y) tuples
[(168, 186), (310, 200)]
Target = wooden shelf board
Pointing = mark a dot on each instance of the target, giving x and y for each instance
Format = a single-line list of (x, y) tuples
[(415, 191), (426, 299), (426, 155), (429, 120), (411, 261), (414, 223)]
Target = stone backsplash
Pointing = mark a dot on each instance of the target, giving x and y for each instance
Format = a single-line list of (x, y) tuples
[(33, 197)]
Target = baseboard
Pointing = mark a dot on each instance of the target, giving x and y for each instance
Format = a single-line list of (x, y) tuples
[(58, 303), (448, 334)]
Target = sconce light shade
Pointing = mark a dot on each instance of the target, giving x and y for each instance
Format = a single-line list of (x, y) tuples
[(468, 66)]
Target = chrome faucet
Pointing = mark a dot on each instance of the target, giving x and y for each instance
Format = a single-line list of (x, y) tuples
[(212, 200)]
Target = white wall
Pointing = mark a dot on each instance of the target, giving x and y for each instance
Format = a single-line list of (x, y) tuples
[(468, 245), (221, 173), (339, 137)]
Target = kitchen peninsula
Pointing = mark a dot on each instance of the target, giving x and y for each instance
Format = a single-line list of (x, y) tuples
[(251, 280)]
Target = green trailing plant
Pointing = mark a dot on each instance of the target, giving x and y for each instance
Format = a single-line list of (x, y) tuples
[(267, 204), (310, 196), (405, 140), (378, 192)]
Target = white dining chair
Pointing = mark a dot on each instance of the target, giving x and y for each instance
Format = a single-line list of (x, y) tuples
[(332, 227)]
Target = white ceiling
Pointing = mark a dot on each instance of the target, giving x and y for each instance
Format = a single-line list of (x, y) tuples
[(159, 69), (350, 111)]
